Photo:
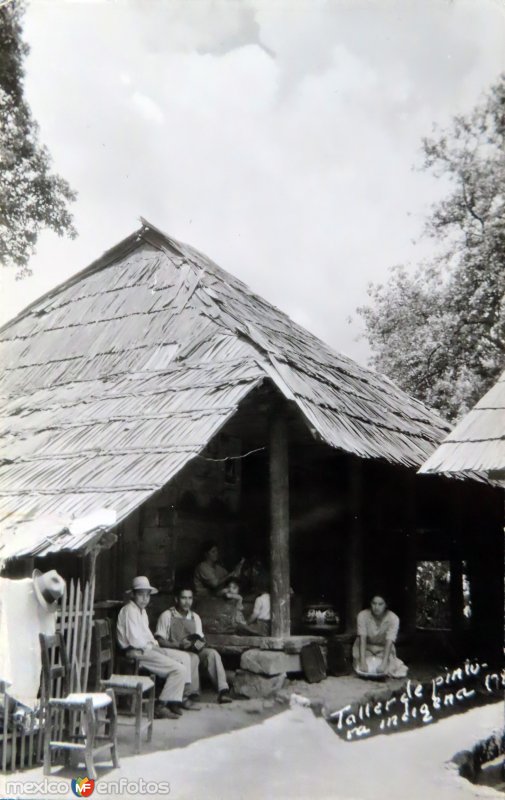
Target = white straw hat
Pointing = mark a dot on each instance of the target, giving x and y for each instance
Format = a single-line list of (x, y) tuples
[(141, 583), (49, 588)]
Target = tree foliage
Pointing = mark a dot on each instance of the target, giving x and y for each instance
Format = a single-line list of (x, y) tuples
[(432, 593), (440, 332), (31, 196)]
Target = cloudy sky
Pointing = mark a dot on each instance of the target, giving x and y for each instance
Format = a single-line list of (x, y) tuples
[(277, 136)]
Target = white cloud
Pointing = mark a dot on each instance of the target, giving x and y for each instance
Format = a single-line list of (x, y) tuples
[(277, 137), (147, 108)]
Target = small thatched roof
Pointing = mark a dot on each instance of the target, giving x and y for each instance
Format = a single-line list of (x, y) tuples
[(477, 443), (113, 381)]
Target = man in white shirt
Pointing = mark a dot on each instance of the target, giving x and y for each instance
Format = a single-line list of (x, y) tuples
[(261, 614), (177, 629), (258, 623), (136, 639)]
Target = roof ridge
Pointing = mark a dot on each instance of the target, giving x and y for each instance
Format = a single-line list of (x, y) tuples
[(354, 369), (191, 255)]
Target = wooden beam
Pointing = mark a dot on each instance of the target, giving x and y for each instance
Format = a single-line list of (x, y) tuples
[(410, 554), (355, 546), (279, 526), (456, 594), (457, 602)]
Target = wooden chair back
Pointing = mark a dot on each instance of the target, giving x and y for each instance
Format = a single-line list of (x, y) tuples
[(103, 647), (55, 666)]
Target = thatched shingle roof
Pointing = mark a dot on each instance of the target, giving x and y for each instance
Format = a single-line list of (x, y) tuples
[(477, 443), (113, 381)]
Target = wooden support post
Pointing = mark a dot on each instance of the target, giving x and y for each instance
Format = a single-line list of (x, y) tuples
[(279, 527), (93, 555), (410, 583), (409, 624), (355, 546), (456, 585), (172, 547), (456, 594), (131, 547), (499, 477)]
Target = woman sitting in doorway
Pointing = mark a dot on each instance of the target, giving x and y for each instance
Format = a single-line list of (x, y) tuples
[(210, 578), (374, 652)]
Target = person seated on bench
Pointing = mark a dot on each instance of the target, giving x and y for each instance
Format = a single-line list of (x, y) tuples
[(181, 628), (135, 638), (374, 652), (258, 623), (231, 593), (210, 577)]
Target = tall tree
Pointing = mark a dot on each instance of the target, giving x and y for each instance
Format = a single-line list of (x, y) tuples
[(31, 196), (440, 332)]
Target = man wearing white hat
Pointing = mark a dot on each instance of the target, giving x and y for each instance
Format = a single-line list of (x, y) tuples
[(134, 636)]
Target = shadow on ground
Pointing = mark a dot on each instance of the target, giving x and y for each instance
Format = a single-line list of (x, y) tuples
[(214, 719)]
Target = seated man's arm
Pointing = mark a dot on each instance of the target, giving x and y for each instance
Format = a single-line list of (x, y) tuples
[(184, 644), (198, 625)]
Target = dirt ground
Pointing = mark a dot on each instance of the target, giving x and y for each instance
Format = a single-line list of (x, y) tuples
[(267, 750), (214, 719), (334, 693), (291, 755)]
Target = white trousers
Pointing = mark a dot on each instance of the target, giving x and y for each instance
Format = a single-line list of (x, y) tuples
[(176, 671), (192, 662), (210, 661)]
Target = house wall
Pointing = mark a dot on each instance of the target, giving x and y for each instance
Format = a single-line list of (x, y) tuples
[(164, 538)]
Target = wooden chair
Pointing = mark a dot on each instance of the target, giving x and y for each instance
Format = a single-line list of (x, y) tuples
[(128, 664), (20, 737), (139, 688), (82, 723)]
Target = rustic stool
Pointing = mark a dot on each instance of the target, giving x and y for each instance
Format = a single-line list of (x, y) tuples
[(139, 688), (73, 722)]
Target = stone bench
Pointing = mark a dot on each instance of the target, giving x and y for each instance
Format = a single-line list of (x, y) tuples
[(233, 644)]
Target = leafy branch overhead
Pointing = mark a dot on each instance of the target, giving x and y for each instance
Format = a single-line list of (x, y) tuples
[(31, 196), (440, 332)]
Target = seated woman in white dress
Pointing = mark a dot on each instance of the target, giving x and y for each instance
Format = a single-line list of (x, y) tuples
[(374, 651)]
